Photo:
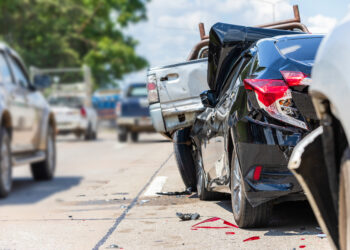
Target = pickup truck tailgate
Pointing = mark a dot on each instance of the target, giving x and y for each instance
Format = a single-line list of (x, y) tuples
[(179, 87)]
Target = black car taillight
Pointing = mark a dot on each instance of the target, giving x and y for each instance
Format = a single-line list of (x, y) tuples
[(152, 89), (274, 96)]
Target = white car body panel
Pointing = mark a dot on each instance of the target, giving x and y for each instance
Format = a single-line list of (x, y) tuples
[(330, 73), (179, 87)]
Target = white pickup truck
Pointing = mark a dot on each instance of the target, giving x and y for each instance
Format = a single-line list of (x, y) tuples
[(174, 102)]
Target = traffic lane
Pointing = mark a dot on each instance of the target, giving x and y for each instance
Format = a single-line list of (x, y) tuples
[(153, 223), (58, 215)]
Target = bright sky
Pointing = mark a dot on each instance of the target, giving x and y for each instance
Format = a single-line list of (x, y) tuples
[(172, 26)]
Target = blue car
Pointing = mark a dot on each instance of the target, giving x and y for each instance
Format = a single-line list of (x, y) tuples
[(133, 113)]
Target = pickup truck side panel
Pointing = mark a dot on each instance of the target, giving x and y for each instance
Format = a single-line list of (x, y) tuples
[(179, 87)]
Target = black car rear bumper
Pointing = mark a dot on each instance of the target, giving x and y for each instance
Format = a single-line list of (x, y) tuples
[(270, 147)]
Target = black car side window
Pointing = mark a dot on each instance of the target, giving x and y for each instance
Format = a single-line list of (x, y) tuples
[(5, 73), (19, 73)]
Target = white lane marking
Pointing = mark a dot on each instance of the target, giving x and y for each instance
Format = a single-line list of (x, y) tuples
[(119, 145), (156, 186)]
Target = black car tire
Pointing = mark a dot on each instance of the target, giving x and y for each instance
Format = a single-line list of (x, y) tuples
[(202, 192), (122, 136), (89, 133), (134, 136), (5, 163), (245, 215), (344, 199), (184, 158), (45, 169)]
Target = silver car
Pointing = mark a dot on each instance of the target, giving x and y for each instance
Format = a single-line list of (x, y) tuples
[(27, 132)]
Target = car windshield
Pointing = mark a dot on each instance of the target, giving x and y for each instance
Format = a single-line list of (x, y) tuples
[(300, 49), (137, 91), (66, 101)]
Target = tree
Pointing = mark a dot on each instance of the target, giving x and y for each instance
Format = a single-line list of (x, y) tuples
[(69, 33)]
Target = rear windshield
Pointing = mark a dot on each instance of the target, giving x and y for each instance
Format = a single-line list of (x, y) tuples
[(137, 91), (67, 101), (302, 49)]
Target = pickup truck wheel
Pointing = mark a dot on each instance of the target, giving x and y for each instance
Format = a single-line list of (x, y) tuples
[(344, 200), (122, 136), (245, 215), (45, 169), (134, 136), (5, 163), (184, 158)]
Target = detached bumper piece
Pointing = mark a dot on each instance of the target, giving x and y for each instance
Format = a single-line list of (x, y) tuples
[(311, 172)]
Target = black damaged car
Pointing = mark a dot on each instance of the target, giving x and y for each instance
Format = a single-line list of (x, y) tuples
[(257, 110)]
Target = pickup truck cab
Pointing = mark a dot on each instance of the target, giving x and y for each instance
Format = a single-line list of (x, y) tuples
[(28, 127), (132, 112)]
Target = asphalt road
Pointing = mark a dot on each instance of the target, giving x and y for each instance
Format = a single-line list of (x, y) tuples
[(98, 201)]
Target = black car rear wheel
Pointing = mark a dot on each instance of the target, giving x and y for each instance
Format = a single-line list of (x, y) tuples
[(184, 157), (344, 200), (245, 215), (5, 163)]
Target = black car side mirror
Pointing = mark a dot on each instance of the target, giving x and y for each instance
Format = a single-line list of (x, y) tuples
[(208, 98), (42, 81)]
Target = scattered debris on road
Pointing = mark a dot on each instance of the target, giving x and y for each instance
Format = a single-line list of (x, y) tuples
[(225, 223), (188, 191), (189, 216), (252, 238), (230, 233), (321, 236), (302, 246), (114, 246), (143, 201)]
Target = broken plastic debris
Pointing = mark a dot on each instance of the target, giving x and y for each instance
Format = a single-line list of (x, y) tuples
[(122, 206), (143, 201), (225, 223), (113, 246), (302, 246), (182, 216), (252, 238), (321, 236), (230, 232), (188, 191)]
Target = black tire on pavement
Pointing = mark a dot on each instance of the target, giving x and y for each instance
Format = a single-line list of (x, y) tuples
[(122, 135), (184, 158), (45, 169), (344, 200), (245, 215), (202, 192), (134, 136), (5, 163), (89, 133)]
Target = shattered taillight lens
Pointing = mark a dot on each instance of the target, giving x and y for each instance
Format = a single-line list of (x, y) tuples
[(274, 96), (152, 89), (294, 78)]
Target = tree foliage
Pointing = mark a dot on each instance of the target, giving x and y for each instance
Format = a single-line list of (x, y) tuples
[(66, 33)]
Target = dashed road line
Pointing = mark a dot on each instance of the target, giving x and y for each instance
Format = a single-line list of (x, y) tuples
[(131, 205), (156, 186)]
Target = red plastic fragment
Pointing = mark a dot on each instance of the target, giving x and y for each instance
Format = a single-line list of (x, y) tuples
[(228, 224), (302, 238), (302, 246), (230, 232), (252, 238)]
